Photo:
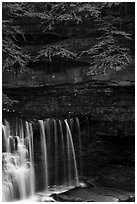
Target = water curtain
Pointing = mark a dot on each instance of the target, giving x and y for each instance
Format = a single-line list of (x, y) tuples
[(60, 149), (17, 161)]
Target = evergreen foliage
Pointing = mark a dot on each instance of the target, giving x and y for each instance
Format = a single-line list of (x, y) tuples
[(99, 33), (72, 19)]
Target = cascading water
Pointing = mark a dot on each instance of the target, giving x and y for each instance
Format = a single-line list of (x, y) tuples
[(72, 151), (18, 170), (58, 159), (63, 158), (63, 151), (29, 138), (56, 151), (44, 151), (80, 145)]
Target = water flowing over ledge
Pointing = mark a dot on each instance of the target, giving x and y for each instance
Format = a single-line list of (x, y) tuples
[(59, 163)]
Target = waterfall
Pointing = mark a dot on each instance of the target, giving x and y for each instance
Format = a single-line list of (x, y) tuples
[(63, 151), (6, 134), (63, 147), (80, 145), (44, 151), (69, 158), (70, 142), (18, 170), (56, 150), (47, 125), (29, 137), (4, 139)]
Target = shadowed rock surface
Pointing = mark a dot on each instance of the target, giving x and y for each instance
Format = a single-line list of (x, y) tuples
[(95, 194)]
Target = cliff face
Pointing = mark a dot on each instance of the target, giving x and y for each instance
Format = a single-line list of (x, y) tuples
[(45, 74), (58, 73), (111, 106)]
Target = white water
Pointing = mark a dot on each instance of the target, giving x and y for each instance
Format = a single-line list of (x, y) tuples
[(57, 153), (6, 133), (18, 171)]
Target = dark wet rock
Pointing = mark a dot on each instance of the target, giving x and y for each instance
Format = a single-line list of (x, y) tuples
[(83, 195), (99, 100), (130, 199), (65, 198), (91, 194), (120, 194), (41, 73)]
